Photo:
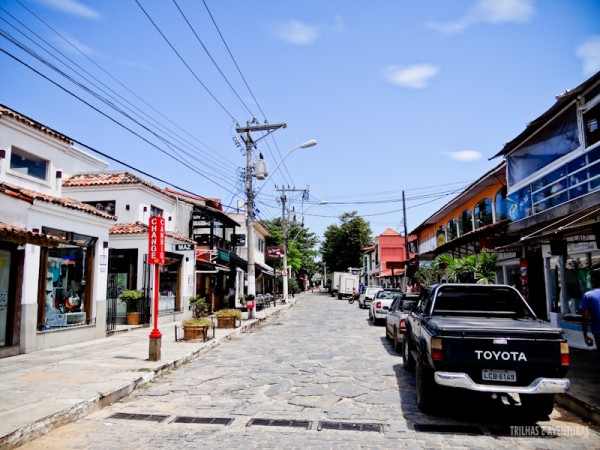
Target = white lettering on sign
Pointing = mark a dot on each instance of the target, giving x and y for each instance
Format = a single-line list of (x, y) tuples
[(156, 240), (497, 355)]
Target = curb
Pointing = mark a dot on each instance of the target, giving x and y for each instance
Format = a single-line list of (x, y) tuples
[(587, 412), (83, 408)]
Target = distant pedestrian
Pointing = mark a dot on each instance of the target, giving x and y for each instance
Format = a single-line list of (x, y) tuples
[(590, 305)]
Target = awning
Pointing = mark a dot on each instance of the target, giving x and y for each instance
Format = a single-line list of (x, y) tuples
[(264, 269)]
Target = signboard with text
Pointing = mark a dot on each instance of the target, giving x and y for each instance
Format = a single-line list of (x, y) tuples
[(156, 240), (274, 253)]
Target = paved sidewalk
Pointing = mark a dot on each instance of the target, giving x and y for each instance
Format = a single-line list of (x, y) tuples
[(49, 388)]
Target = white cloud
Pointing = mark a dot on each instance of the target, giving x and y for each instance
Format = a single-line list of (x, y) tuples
[(300, 33), (589, 52), (464, 155), (494, 12), (415, 76), (297, 33), (73, 7)]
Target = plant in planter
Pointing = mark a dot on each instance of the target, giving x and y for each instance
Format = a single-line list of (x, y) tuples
[(196, 328), (132, 299), (226, 318)]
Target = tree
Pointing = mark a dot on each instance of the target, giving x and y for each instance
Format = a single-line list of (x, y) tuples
[(343, 244), (301, 245), (479, 268)]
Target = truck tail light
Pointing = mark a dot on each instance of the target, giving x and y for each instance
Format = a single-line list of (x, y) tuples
[(564, 354), (403, 324), (436, 349), (378, 305)]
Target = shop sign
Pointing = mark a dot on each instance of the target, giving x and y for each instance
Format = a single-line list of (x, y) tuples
[(274, 253), (184, 247), (223, 256), (156, 240)]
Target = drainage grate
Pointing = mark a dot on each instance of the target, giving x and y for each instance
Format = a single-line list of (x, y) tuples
[(441, 428), (280, 423), (148, 417), (203, 420), (350, 426)]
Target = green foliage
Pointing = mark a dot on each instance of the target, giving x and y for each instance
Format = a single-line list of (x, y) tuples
[(301, 245), (132, 299), (293, 286), (198, 306), (480, 268), (229, 312), (344, 243), (197, 321)]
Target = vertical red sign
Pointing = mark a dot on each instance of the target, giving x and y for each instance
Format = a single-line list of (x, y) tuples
[(156, 240)]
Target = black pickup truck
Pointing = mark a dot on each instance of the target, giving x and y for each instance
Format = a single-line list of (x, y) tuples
[(484, 338)]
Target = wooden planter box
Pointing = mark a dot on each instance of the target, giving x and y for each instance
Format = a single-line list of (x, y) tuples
[(195, 332), (226, 322)]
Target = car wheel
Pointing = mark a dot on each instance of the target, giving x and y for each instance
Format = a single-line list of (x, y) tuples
[(397, 346), (538, 406), (408, 361), (388, 336), (426, 388), (371, 316)]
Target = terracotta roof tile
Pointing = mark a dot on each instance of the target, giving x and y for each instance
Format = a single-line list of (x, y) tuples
[(389, 232), (5, 111), (30, 196), (141, 228), (111, 178), (23, 236)]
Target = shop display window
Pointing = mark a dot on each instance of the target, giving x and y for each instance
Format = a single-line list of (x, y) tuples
[(65, 298), (169, 298)]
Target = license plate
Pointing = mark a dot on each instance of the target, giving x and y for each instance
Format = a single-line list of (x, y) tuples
[(499, 375)]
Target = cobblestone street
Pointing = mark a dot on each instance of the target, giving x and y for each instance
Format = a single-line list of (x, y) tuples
[(317, 376)]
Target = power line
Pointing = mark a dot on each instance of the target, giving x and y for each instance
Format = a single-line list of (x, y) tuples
[(185, 63), (148, 119), (234, 61), (112, 77), (211, 58), (103, 113)]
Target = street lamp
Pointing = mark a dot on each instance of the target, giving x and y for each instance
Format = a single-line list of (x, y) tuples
[(250, 220), (306, 144)]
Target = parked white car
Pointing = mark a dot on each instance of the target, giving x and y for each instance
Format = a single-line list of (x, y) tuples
[(365, 299), (395, 320), (381, 304)]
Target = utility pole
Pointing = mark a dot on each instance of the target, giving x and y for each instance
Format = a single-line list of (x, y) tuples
[(247, 138), (406, 252), (285, 271)]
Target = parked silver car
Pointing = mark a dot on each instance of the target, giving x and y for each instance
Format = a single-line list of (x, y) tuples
[(395, 321), (365, 299)]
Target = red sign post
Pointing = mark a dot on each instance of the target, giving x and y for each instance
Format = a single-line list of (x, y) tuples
[(156, 256)]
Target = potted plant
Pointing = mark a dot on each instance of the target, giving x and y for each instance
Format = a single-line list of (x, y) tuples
[(132, 299), (226, 318), (197, 326)]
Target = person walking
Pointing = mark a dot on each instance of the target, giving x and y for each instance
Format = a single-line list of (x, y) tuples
[(590, 305)]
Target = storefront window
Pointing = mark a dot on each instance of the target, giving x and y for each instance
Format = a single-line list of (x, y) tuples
[(169, 299), (65, 300), (465, 222), (451, 229), (441, 235), (483, 213), (500, 205)]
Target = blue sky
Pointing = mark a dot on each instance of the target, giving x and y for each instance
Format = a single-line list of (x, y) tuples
[(400, 95)]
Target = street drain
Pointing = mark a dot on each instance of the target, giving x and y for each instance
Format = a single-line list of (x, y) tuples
[(350, 426), (147, 417), (442, 428), (280, 423), (203, 420)]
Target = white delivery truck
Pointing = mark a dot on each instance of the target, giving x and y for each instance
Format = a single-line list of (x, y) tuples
[(335, 283), (348, 285)]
